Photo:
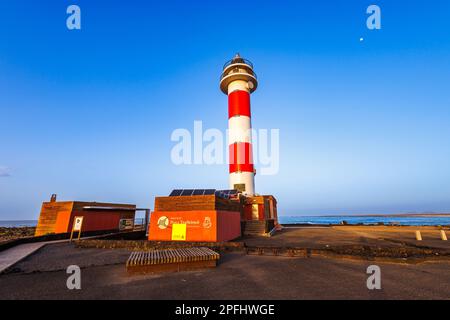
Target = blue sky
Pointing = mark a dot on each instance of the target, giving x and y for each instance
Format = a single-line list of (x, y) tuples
[(88, 114)]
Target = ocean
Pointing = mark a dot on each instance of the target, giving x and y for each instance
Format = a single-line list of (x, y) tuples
[(401, 220), (18, 223)]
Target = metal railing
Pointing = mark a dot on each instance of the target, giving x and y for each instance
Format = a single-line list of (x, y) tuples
[(236, 70), (237, 60), (139, 224)]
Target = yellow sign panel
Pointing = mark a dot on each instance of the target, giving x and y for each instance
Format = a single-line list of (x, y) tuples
[(179, 232)]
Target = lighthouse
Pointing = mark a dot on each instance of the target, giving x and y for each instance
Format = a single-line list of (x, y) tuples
[(238, 81), (210, 215)]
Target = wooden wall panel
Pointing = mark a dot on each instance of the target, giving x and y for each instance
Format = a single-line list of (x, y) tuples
[(195, 203), (48, 217)]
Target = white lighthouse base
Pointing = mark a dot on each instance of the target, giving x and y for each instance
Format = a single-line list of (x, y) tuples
[(237, 179)]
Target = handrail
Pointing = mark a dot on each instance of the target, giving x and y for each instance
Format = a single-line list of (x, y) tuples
[(271, 232)]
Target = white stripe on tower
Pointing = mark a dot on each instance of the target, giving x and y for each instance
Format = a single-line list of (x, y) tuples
[(239, 129)]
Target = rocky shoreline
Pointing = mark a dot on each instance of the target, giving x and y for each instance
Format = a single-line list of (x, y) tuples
[(7, 234)]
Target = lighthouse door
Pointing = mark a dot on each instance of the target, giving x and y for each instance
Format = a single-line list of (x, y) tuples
[(255, 212)]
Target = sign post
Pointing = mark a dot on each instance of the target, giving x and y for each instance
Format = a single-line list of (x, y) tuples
[(76, 227)]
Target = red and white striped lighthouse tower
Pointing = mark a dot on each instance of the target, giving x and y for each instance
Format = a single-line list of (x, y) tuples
[(238, 81)]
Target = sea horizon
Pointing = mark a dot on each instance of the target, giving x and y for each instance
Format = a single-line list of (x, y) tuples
[(425, 219)]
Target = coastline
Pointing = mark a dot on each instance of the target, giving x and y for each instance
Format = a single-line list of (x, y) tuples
[(13, 233), (391, 215)]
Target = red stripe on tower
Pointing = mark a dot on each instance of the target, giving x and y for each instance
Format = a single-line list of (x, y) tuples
[(241, 157), (238, 104)]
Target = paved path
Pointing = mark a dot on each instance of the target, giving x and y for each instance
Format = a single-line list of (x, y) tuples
[(15, 254)]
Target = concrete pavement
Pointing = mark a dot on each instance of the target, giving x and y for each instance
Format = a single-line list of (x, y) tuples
[(10, 257), (238, 276)]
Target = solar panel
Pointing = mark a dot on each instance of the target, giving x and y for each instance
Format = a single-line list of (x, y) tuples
[(194, 192), (187, 192), (175, 193)]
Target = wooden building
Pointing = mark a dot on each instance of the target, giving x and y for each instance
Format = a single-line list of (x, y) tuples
[(58, 216), (200, 218), (211, 216)]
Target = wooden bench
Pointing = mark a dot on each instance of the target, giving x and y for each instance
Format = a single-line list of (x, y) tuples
[(171, 260)]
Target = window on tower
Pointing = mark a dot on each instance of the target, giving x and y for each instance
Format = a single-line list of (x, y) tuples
[(239, 187)]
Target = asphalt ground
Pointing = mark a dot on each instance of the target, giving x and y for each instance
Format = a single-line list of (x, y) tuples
[(238, 276)]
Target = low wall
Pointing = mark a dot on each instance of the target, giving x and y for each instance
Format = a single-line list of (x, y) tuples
[(371, 253), (153, 245)]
